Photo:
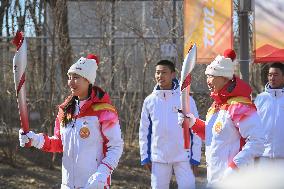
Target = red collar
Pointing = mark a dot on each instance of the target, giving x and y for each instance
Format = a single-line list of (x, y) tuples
[(234, 87)]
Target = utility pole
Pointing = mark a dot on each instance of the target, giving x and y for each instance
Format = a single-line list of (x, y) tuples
[(245, 7)]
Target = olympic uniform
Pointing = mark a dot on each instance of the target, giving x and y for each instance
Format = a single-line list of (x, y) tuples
[(270, 107), (91, 142), (232, 131), (161, 139)]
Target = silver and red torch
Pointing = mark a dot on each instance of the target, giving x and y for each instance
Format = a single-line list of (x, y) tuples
[(19, 67), (187, 67)]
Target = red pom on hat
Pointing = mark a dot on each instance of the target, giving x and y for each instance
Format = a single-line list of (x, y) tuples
[(92, 56), (230, 53)]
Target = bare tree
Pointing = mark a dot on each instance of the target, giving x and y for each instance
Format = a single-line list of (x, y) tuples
[(20, 15), (3, 7), (64, 49)]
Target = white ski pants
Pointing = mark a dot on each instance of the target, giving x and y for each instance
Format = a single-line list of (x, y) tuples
[(162, 172)]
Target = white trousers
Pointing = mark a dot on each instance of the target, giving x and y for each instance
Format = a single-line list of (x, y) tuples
[(162, 172)]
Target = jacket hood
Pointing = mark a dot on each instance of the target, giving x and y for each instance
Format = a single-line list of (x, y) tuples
[(235, 87), (274, 92)]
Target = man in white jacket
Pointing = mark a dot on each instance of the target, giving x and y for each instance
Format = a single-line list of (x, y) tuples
[(160, 136), (270, 107)]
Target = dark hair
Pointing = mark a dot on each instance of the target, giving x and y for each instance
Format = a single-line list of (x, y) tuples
[(277, 65), (70, 107), (167, 63)]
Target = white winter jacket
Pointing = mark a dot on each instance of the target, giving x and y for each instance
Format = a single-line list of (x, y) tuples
[(270, 107), (160, 136), (232, 132), (91, 143)]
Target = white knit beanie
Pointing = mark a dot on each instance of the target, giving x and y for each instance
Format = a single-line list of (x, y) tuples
[(86, 67), (222, 65)]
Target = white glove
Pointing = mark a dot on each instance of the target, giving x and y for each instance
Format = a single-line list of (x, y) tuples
[(229, 172), (190, 116), (98, 179), (37, 140), (23, 138)]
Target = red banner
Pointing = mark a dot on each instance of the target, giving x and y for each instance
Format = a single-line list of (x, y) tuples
[(269, 27)]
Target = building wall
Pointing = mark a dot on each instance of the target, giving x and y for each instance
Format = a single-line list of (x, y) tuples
[(129, 37)]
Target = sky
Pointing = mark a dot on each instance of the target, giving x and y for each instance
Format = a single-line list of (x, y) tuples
[(29, 26)]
